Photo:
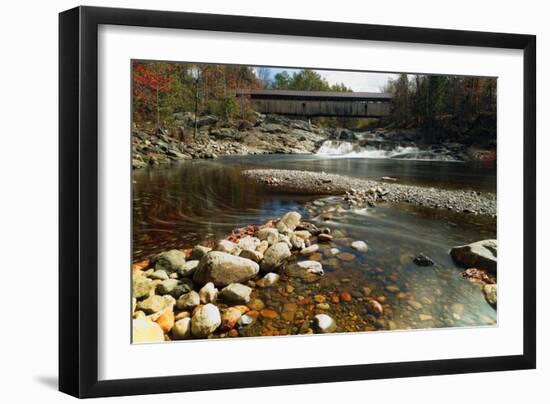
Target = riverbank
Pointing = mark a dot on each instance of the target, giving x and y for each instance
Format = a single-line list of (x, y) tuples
[(290, 277), (274, 134), (368, 192)]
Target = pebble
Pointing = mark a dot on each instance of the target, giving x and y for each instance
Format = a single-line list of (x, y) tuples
[(360, 246), (345, 296), (182, 329), (268, 313), (324, 323), (236, 293), (346, 256), (392, 288), (424, 317), (309, 250), (205, 320), (188, 300), (208, 293)]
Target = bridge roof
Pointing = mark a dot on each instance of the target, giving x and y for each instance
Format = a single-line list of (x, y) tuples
[(316, 95)]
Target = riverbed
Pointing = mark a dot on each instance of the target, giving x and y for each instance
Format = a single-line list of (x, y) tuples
[(192, 202)]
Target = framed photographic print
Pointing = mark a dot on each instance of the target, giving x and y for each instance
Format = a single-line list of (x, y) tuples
[(265, 201)]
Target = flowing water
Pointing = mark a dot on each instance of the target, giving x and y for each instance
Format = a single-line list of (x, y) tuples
[(184, 204)]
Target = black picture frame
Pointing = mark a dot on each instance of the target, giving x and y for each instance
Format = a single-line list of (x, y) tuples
[(78, 200)]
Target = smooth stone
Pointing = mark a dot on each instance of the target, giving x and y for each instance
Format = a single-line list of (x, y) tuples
[(346, 256), (270, 279), (166, 320), (228, 247), (307, 270), (303, 234), (490, 292), (262, 247), (374, 307), (289, 222), (269, 234), (205, 321), (141, 286), (182, 329), (230, 318), (360, 246), (188, 300), (208, 293), (269, 314), (236, 293), (324, 237), (309, 250), (425, 317), (297, 242), (256, 304), (159, 274), (324, 323), (198, 252), (275, 256), (145, 331), (222, 269), (166, 286), (153, 304), (393, 288), (188, 268), (481, 254), (248, 243), (169, 261), (246, 320), (253, 255)]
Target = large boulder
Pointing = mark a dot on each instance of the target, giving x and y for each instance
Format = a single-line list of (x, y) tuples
[(275, 256), (144, 331), (481, 255), (205, 321), (169, 261), (222, 269)]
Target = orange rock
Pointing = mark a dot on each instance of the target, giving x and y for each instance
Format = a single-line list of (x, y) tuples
[(345, 296), (139, 266), (233, 333), (253, 313), (346, 256), (268, 313), (166, 321), (230, 317), (319, 298), (334, 298), (242, 308)]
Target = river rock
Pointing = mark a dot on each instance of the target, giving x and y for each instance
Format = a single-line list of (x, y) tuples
[(269, 234), (222, 269), (303, 234), (169, 261), (188, 269), (275, 256), (229, 247), (159, 274), (182, 329), (310, 227), (309, 250), (324, 323), (208, 293), (490, 292), (306, 270), (289, 222), (154, 304), (230, 318), (360, 246), (188, 300), (248, 243), (236, 293), (185, 285), (255, 256), (268, 280), (205, 321), (297, 242), (481, 254), (374, 307), (166, 286), (141, 286), (246, 320), (144, 331), (198, 252), (166, 320), (262, 247), (423, 260)]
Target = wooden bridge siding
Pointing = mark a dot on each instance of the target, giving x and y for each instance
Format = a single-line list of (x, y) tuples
[(322, 108)]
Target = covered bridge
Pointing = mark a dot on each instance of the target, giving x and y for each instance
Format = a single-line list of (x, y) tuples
[(318, 103)]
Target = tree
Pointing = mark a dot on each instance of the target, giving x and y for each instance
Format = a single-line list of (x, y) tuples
[(150, 83)]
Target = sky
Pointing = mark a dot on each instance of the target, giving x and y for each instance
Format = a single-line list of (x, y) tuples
[(370, 82)]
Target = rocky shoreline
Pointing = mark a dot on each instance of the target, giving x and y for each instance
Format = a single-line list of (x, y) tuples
[(369, 192), (273, 134), (214, 291)]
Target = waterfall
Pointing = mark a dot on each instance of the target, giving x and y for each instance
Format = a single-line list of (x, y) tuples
[(337, 148)]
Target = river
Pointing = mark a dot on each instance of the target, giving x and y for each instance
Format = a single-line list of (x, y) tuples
[(181, 205)]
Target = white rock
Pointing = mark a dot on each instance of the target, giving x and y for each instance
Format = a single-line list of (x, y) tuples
[(144, 331), (324, 323), (228, 247), (208, 293), (269, 234), (309, 250), (222, 269), (268, 280), (188, 300), (205, 321), (360, 246), (248, 243), (289, 222), (275, 256), (255, 256)]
